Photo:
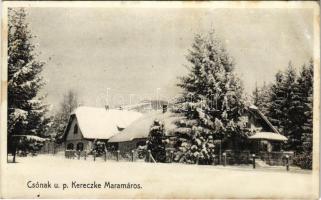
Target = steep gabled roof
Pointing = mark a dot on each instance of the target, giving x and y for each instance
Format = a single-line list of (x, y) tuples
[(256, 110), (275, 135), (99, 123)]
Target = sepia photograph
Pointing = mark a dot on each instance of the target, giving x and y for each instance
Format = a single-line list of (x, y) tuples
[(160, 100)]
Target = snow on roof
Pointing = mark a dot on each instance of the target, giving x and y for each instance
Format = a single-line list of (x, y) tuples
[(99, 123), (134, 106), (141, 127), (252, 107), (268, 136)]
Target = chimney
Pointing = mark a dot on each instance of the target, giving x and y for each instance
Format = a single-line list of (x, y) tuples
[(164, 108), (107, 107)]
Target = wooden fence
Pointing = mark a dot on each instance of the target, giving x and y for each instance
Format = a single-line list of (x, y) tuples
[(228, 157), (50, 147), (118, 156)]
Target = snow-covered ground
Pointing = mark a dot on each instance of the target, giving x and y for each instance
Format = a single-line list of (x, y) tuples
[(156, 180)]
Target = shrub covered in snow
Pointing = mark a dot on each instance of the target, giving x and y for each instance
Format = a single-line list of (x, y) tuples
[(303, 160), (156, 141), (99, 148)]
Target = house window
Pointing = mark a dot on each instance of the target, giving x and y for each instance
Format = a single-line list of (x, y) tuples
[(80, 146), (70, 146), (75, 129)]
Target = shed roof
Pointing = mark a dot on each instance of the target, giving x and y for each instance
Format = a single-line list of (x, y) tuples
[(275, 135), (99, 123), (140, 127), (268, 136)]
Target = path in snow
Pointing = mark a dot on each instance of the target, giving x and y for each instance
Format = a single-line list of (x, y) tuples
[(157, 180)]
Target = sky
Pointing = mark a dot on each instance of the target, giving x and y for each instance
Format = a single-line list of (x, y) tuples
[(123, 55)]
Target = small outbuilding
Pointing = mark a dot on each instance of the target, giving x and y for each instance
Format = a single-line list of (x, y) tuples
[(265, 136)]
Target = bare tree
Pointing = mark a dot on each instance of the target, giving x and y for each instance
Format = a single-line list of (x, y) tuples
[(68, 104)]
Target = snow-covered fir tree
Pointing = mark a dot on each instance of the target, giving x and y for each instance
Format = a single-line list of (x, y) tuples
[(285, 108), (261, 98), (293, 110), (156, 141), (290, 110), (211, 101), (256, 95), (278, 101), (305, 83), (26, 110)]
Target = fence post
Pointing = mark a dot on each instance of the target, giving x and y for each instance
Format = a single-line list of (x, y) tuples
[(220, 154), (253, 156), (94, 155), (149, 155), (196, 163), (132, 155), (171, 157), (105, 156), (214, 159), (78, 154), (117, 155), (85, 155), (14, 159), (224, 157), (287, 162)]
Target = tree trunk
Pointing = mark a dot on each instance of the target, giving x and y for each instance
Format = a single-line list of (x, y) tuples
[(14, 154)]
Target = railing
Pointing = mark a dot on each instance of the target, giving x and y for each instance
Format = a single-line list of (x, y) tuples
[(134, 155), (71, 154), (236, 157)]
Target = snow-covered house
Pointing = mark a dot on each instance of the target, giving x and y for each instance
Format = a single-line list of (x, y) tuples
[(262, 134), (87, 124)]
